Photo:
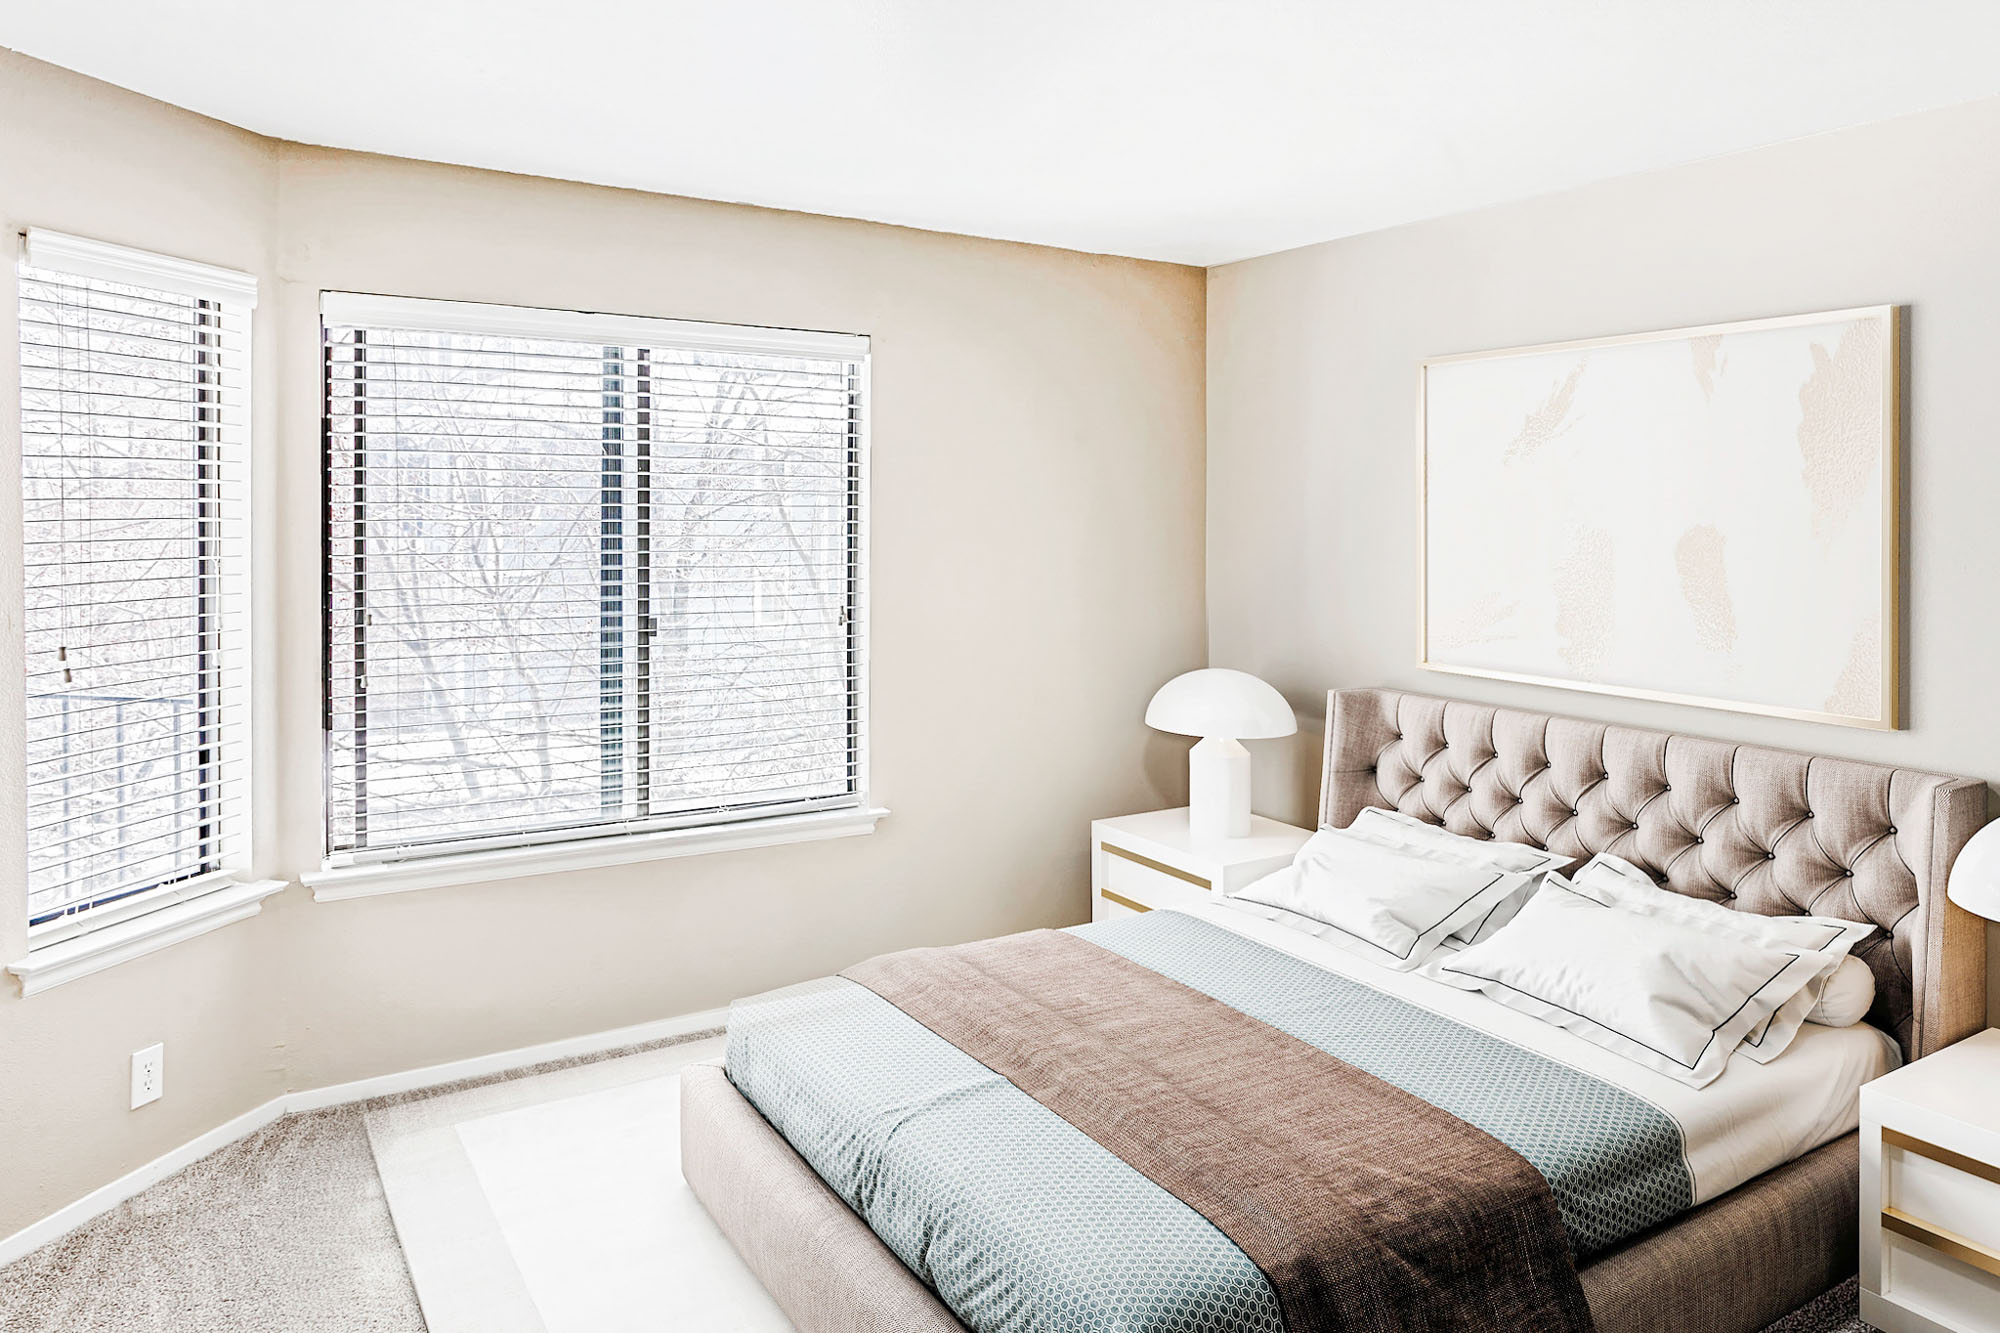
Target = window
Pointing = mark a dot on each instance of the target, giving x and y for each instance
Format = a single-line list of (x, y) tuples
[(585, 576), (135, 379)]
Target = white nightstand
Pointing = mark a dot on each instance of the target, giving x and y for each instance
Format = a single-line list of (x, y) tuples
[(1930, 1192), (1139, 862)]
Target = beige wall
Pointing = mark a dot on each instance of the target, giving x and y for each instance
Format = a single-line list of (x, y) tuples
[(1037, 572), (78, 156), (1312, 355), (1036, 558)]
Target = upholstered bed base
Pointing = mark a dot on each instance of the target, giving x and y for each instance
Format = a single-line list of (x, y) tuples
[(1733, 1265)]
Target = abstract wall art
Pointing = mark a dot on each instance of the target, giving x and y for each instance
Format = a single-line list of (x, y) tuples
[(1706, 516)]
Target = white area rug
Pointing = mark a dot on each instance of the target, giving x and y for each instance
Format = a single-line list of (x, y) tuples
[(555, 1204)]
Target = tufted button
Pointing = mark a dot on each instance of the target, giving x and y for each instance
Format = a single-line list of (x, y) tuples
[(1809, 814), (1572, 814), (1892, 830), (1697, 842), (1847, 874), (1736, 800), (1770, 856), (1635, 827)]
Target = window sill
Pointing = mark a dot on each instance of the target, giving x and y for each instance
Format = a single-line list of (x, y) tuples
[(79, 955), (365, 881)]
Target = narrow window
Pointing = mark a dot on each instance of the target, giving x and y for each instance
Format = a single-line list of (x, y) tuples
[(135, 375)]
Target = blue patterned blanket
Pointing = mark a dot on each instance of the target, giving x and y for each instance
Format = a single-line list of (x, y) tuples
[(1020, 1222)]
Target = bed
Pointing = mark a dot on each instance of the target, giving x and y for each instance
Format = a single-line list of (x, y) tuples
[(1774, 1187)]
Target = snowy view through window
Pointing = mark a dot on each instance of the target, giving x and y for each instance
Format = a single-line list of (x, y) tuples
[(124, 393), (573, 587)]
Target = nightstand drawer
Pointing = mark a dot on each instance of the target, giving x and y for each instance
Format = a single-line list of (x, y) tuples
[(1143, 884), (1942, 1200)]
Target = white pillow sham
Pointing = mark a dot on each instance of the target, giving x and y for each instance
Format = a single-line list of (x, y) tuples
[(1649, 987), (1393, 828), (1615, 880), (1392, 905)]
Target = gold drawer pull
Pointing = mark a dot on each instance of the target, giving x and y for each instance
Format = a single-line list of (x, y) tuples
[(1151, 864), (1123, 901), (1950, 1243), (1972, 1166)]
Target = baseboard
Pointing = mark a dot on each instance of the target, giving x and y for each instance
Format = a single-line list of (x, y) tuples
[(106, 1197), (479, 1066)]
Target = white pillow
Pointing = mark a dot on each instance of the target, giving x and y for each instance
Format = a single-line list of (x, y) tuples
[(1393, 828), (1613, 880), (1392, 905), (1652, 988), (1846, 996)]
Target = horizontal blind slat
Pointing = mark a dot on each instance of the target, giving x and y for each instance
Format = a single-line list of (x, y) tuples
[(512, 821), (497, 739)]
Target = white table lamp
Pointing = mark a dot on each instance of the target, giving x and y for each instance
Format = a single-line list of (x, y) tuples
[(1222, 707), (1975, 875)]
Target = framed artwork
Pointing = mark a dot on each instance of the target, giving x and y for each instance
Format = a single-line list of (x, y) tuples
[(1705, 516)]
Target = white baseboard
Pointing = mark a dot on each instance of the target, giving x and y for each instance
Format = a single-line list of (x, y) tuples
[(106, 1197), (479, 1066)]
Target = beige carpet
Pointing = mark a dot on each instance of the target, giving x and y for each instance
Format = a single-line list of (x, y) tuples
[(288, 1231)]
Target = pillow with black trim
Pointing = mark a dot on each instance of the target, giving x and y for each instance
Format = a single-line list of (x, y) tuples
[(1393, 828), (1615, 880), (1391, 905), (1652, 988)]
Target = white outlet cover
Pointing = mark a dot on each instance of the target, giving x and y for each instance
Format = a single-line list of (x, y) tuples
[(149, 1074)]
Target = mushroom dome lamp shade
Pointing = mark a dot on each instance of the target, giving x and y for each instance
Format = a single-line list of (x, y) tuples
[(1975, 875), (1222, 707)]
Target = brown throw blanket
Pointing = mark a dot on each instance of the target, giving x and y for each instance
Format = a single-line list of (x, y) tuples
[(1367, 1208)]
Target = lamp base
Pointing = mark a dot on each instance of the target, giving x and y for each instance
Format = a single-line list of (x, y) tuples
[(1219, 789)]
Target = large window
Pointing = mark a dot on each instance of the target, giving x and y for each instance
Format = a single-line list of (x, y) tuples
[(134, 425), (586, 575)]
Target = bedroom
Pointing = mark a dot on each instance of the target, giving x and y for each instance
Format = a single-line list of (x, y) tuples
[(1138, 360)]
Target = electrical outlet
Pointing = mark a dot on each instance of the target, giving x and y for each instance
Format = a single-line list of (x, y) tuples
[(149, 1074)]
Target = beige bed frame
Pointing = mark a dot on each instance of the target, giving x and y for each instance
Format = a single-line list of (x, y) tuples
[(1765, 830)]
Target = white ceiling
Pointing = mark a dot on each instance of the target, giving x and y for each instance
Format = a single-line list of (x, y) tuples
[(1193, 130)]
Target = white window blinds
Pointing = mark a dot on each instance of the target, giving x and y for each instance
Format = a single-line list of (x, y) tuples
[(135, 388), (586, 575)]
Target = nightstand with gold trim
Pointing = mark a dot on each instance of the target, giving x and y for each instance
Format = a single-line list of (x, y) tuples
[(1142, 862), (1930, 1192)]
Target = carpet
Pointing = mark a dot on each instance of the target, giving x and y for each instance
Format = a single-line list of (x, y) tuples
[(555, 1205)]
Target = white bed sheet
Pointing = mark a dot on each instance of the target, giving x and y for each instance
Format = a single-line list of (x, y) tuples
[(1751, 1119)]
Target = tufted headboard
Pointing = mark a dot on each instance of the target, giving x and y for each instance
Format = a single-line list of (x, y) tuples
[(1769, 831)]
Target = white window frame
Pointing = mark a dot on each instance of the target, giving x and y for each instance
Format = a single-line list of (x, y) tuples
[(350, 875), (94, 938)]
